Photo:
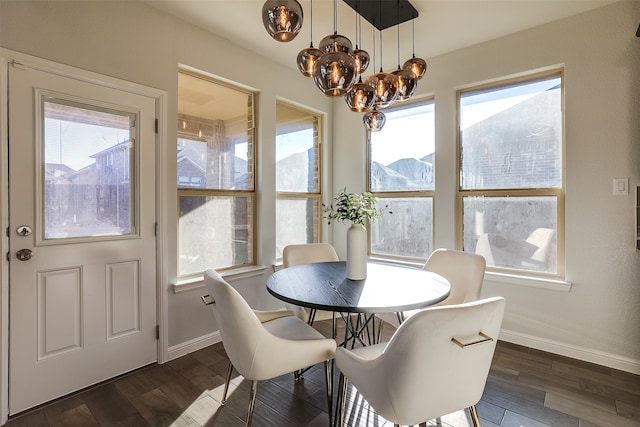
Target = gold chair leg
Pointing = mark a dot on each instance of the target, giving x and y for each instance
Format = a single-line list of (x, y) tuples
[(342, 400), (226, 384), (474, 416), (252, 402), (328, 380)]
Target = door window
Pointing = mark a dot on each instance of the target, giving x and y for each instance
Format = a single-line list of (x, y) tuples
[(88, 156)]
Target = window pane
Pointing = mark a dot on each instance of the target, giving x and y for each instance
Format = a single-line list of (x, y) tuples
[(214, 231), (511, 136), (407, 231), (296, 222), (88, 164), (215, 136), (402, 153), (215, 175), (512, 232), (297, 167), (298, 212), (200, 165)]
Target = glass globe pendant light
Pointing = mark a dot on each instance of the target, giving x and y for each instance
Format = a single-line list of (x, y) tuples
[(335, 72), (384, 84), (307, 58), (374, 120), (417, 66), (361, 97), (361, 56), (407, 81), (282, 19), (407, 84), (335, 43), (362, 59)]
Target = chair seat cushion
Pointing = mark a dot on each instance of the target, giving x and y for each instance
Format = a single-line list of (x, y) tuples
[(369, 352), (292, 328)]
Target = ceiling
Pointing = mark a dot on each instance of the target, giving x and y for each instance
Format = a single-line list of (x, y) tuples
[(442, 26)]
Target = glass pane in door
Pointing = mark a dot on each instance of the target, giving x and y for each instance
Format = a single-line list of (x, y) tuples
[(88, 156)]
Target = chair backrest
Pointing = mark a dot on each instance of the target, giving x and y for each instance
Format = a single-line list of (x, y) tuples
[(463, 270), (542, 239), (241, 331), (422, 374), (307, 253)]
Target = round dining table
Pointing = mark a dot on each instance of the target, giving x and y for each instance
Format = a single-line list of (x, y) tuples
[(387, 288)]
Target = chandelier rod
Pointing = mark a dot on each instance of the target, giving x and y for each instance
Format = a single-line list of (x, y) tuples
[(311, 24), (398, 26), (381, 57)]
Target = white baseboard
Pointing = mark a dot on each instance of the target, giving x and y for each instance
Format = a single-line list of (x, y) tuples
[(585, 354), (588, 355), (195, 344)]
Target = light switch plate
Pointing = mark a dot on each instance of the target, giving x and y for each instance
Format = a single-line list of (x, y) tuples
[(620, 186)]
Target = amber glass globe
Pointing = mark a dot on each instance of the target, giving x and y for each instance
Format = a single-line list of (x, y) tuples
[(417, 66), (335, 73), (335, 43), (385, 86), (407, 84), (282, 19), (362, 59), (374, 120), (307, 59), (361, 97)]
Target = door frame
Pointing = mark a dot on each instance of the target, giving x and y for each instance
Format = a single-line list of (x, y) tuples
[(7, 58)]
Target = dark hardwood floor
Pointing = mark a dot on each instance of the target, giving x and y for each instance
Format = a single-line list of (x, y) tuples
[(526, 388)]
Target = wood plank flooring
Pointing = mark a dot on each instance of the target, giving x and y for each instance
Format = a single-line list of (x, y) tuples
[(526, 388)]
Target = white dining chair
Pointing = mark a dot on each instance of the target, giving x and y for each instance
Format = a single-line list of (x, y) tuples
[(306, 253), (264, 350), (463, 270), (436, 363)]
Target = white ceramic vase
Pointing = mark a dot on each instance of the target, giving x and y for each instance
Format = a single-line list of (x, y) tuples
[(357, 252)]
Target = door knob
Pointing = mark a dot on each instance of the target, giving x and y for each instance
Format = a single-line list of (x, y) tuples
[(24, 254)]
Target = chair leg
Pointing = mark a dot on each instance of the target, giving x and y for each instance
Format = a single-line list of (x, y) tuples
[(342, 400), (252, 402), (474, 416), (328, 379), (226, 384)]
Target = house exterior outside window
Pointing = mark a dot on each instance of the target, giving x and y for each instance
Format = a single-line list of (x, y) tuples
[(401, 175), (298, 176), (215, 176), (511, 187)]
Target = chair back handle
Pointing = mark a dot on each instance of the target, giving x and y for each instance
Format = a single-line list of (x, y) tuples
[(484, 338), (207, 300)]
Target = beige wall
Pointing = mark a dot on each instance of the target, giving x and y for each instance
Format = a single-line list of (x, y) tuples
[(597, 320), (132, 41)]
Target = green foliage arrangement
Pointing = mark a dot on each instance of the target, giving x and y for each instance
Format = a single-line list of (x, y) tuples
[(353, 207)]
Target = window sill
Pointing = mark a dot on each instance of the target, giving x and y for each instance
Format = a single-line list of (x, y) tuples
[(534, 282), (500, 278), (228, 275)]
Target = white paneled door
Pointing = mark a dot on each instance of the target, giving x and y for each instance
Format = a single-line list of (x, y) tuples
[(82, 302)]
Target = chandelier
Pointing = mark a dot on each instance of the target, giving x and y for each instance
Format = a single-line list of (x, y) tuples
[(337, 68)]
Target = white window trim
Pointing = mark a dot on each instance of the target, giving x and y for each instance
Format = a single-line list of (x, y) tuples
[(193, 283)]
